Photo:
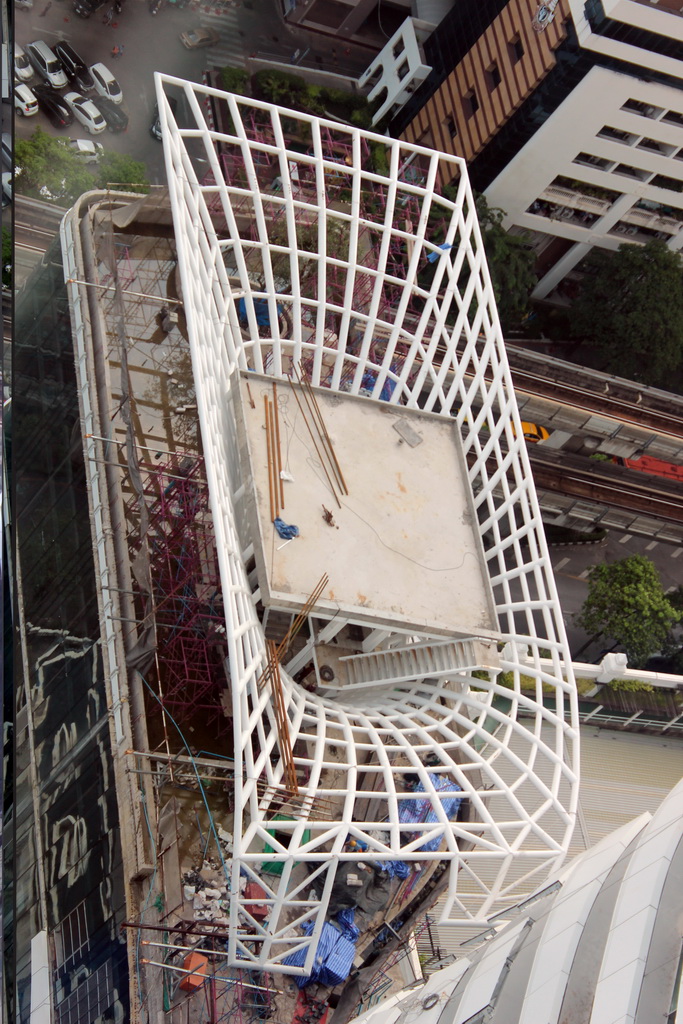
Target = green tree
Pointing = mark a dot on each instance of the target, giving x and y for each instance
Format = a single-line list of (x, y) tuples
[(46, 168), (510, 260), (6, 258), (511, 263), (116, 170), (627, 604), (235, 80), (630, 309)]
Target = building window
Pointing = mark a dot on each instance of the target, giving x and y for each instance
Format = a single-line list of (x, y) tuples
[(451, 127), (663, 181), (616, 135), (643, 109), (632, 172), (656, 147), (470, 103), (94, 995), (516, 49), (672, 117), (593, 161), (71, 938), (492, 76)]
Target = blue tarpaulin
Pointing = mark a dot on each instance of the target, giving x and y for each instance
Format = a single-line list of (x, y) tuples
[(260, 311), (370, 379), (395, 868), (334, 955), (422, 812)]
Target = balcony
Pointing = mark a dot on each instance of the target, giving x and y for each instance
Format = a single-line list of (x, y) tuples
[(636, 232), (652, 220), (575, 200)]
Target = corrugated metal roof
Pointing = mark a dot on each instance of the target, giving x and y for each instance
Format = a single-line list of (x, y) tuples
[(622, 775)]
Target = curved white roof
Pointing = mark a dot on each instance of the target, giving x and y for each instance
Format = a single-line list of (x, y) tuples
[(603, 943)]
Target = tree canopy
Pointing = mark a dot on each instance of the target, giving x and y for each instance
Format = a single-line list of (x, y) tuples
[(511, 263), (119, 171), (626, 603), (510, 259), (630, 309), (46, 168)]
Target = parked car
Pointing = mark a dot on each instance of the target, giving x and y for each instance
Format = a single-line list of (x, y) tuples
[(84, 8), (155, 127), (75, 67), (53, 106), (7, 150), (86, 112), (105, 83), (47, 64), (24, 100), (89, 152), (113, 114), (6, 188), (22, 66), (196, 37)]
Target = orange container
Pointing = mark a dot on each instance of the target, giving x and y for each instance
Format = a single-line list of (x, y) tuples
[(197, 964)]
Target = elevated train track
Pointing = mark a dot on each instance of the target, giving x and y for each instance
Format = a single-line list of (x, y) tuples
[(596, 393), (606, 484)]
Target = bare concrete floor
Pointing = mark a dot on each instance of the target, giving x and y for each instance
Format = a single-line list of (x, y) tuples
[(402, 547)]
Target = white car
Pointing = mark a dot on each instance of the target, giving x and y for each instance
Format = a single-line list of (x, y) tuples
[(23, 71), (86, 112), (46, 64), (6, 188), (105, 83), (89, 152), (24, 100)]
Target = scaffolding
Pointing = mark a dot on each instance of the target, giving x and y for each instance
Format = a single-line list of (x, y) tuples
[(186, 601)]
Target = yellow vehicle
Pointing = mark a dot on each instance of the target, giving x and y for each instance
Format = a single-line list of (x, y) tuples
[(532, 432)]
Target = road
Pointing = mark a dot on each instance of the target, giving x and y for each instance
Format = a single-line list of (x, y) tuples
[(35, 226)]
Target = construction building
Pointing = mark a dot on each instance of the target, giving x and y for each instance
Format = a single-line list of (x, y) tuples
[(292, 663), (573, 125)]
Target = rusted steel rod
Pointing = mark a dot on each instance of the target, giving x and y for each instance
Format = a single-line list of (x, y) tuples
[(317, 450), (270, 472), (279, 448)]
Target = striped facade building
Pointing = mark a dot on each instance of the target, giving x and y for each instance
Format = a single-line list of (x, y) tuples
[(487, 59), (575, 131)]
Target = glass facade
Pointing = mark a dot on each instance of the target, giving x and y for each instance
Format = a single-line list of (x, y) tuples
[(67, 877)]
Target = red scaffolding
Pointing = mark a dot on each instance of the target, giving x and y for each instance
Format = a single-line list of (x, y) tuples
[(186, 591)]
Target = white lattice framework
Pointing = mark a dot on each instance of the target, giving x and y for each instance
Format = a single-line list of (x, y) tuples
[(357, 322)]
